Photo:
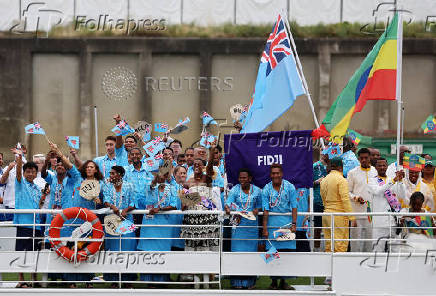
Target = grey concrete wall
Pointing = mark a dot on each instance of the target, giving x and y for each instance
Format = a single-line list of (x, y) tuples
[(175, 92), (57, 81)]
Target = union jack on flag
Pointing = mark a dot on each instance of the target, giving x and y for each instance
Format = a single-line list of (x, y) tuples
[(122, 128), (277, 46), (157, 140), (34, 128), (122, 124), (161, 127)]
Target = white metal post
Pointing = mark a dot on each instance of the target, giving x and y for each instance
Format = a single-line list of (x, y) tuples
[(398, 82), (312, 232), (96, 131), (332, 233)]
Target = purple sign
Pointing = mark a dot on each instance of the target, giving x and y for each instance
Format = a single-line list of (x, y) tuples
[(258, 151)]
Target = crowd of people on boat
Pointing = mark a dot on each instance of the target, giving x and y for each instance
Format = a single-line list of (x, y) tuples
[(358, 181)]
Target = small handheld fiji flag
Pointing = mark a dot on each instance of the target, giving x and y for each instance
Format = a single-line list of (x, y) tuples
[(413, 162), (73, 141), (122, 129), (161, 127), (151, 149), (207, 119), (207, 140), (152, 164), (234, 207), (335, 151), (34, 128), (125, 227), (306, 228), (147, 134), (157, 140), (181, 126), (429, 124), (243, 114), (160, 146), (332, 150), (185, 121), (270, 255)]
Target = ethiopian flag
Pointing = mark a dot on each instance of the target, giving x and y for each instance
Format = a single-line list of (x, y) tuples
[(429, 124), (354, 136), (413, 162), (374, 80)]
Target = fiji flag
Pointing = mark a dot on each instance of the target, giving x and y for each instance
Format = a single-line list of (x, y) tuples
[(278, 82), (270, 255), (332, 150), (160, 127), (123, 129), (207, 119), (73, 141), (34, 128), (207, 140)]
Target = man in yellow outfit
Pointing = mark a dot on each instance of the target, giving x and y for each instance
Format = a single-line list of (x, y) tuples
[(335, 196)]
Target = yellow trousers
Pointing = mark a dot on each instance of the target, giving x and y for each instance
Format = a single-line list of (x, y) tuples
[(341, 231)]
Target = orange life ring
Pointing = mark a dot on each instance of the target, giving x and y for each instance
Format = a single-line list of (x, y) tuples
[(55, 232)]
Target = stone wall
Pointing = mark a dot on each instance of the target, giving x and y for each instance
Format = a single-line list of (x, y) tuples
[(58, 81)]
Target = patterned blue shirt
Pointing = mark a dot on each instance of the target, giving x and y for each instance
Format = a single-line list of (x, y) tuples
[(302, 205), (27, 196), (61, 194), (282, 201), (319, 170), (105, 164), (122, 156), (122, 200), (240, 198), (349, 162), (157, 199), (140, 181)]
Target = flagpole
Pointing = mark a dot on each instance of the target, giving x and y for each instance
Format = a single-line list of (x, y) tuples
[(303, 78), (47, 138), (402, 122), (96, 131), (398, 84)]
